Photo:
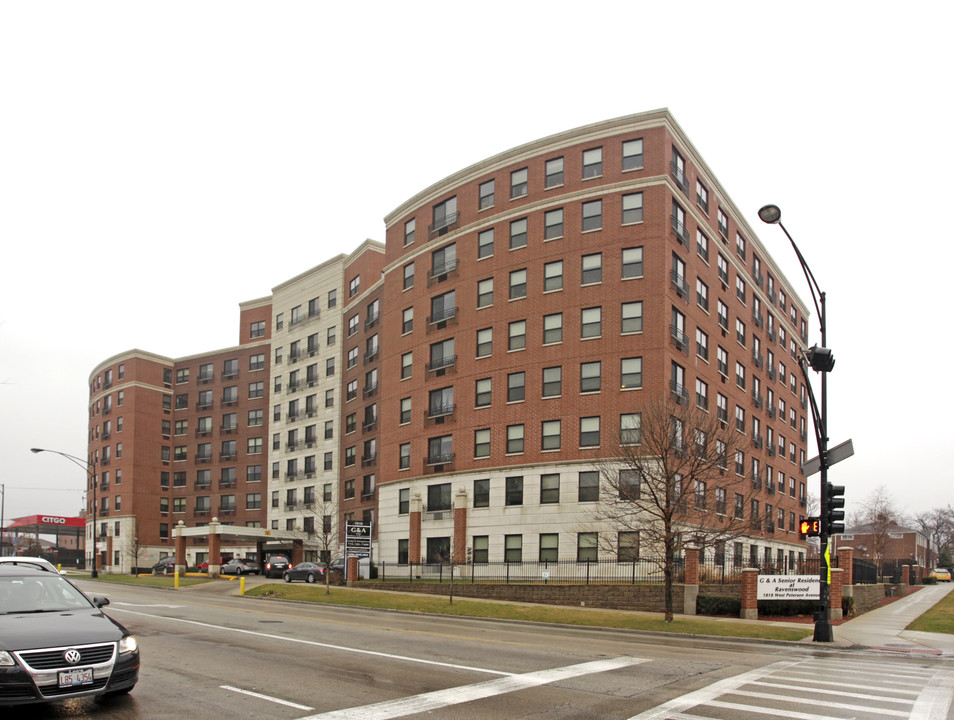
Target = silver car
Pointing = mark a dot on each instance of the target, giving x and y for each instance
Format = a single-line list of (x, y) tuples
[(36, 562)]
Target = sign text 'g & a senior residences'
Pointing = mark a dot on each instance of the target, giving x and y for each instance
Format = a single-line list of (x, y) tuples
[(787, 587)]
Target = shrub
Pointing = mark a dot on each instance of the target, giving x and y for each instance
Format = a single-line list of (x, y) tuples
[(718, 605), (930, 580), (847, 607)]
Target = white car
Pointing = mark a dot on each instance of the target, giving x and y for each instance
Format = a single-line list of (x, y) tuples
[(36, 562)]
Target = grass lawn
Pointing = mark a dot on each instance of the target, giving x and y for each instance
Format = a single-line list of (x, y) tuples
[(939, 619), (534, 613), (150, 580)]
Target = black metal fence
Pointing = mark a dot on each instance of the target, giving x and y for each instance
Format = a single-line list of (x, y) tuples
[(864, 572)]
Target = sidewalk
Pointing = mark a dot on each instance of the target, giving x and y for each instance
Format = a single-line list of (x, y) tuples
[(883, 628)]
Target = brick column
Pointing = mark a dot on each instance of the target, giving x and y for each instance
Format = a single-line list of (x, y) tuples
[(834, 593), (691, 585), (352, 569), (460, 527), (414, 531), (750, 583), (180, 541), (215, 548), (905, 574), (846, 558), (298, 551)]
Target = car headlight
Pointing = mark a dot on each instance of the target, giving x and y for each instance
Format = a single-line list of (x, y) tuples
[(128, 644), (6, 659)]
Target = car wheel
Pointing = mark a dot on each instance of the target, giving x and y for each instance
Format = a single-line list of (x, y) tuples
[(310, 578), (286, 577), (165, 570)]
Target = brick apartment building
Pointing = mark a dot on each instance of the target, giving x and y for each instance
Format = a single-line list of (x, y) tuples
[(456, 385)]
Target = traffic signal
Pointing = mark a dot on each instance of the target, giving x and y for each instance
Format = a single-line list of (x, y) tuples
[(833, 500), (809, 527)]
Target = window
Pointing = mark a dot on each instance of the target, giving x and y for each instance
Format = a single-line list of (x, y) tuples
[(518, 183), (440, 402), (633, 154), (485, 342), (702, 394), (550, 435), (409, 228), (513, 548), (702, 196), (591, 324), (627, 546), (553, 224), (482, 493), (518, 284), (549, 488), (517, 335), (630, 425), (329, 367), (444, 260), (591, 270), (486, 195), (408, 276), (740, 245), (514, 439), (632, 262), (702, 246), (723, 268), (483, 392), (631, 373), (553, 276), (354, 286), (254, 446), (439, 497), (632, 208), (589, 487), (513, 490), (723, 221), (552, 328), (631, 317), (590, 377), (482, 443), (549, 547), (257, 329), (592, 215), (444, 216), (586, 546), (230, 394), (443, 307), (407, 322), (740, 332), (407, 365), (552, 381), (256, 362), (740, 288), (404, 456), (518, 233), (440, 450), (592, 163), (516, 386), (590, 431), (554, 172), (485, 243), (442, 354)]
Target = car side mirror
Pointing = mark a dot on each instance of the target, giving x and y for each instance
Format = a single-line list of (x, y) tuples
[(100, 601)]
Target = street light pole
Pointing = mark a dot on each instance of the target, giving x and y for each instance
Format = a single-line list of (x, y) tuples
[(90, 468), (821, 360)]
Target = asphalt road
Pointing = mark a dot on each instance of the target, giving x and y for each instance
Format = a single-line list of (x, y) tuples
[(208, 655)]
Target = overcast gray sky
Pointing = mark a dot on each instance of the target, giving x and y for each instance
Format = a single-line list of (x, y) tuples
[(161, 162)]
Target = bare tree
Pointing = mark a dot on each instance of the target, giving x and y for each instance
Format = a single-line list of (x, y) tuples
[(324, 532), (879, 518), (679, 479), (135, 551), (938, 526)]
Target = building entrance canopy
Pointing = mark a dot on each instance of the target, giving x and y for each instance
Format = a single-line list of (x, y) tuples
[(216, 532)]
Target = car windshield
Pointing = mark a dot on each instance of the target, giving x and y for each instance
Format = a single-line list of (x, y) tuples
[(49, 593)]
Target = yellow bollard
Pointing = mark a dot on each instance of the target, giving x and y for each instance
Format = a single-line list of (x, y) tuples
[(177, 580), (242, 585), (59, 567)]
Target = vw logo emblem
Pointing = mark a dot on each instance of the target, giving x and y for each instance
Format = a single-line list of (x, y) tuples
[(72, 656)]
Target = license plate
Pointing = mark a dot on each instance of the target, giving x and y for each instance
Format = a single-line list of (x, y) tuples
[(79, 676)]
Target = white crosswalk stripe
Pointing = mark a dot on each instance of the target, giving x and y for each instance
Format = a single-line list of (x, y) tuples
[(826, 688)]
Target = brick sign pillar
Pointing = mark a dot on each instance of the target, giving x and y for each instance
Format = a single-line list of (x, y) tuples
[(691, 586), (750, 603), (460, 528), (180, 547), (352, 570), (846, 559), (905, 574), (414, 531), (834, 593)]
